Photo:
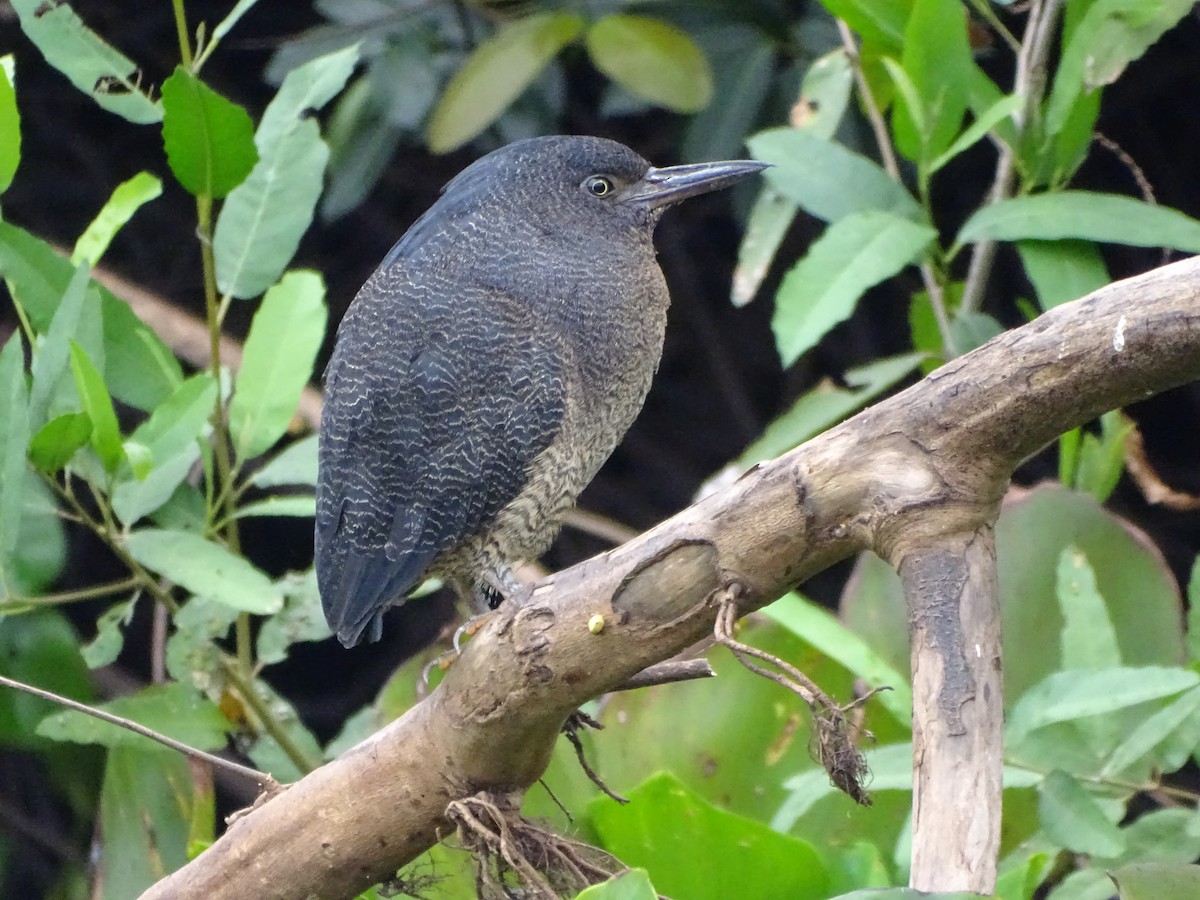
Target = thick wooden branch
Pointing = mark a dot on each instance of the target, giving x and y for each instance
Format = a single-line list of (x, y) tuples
[(918, 478)]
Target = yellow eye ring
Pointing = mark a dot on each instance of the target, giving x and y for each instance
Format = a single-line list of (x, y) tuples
[(598, 186)]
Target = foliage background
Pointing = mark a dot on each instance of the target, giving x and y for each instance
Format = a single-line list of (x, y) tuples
[(720, 382)]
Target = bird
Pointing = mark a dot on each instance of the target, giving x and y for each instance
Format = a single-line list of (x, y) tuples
[(486, 370)]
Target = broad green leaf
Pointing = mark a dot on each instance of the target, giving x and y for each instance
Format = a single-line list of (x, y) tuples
[(855, 253), (1179, 716), (145, 807), (301, 505), (300, 620), (827, 180), (879, 22), (824, 96), (93, 66), (206, 569), (52, 357), (1111, 34), (818, 627), (1102, 458), (10, 127), (41, 544), (495, 74), (297, 464), (180, 419), (1107, 218), (56, 441), (266, 753), (633, 884), (1001, 110), (1076, 694), (127, 199), (177, 710), (1062, 271), (193, 655), (683, 841), (826, 405), (1071, 817), (1193, 622), (106, 645), (41, 649), (652, 59), (265, 216), (285, 335), (14, 440), (133, 498), (1088, 639), (106, 433), (937, 58), (1158, 881), (209, 140), (141, 371)]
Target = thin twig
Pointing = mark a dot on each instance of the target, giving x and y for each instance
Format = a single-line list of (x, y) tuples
[(570, 730), (271, 725), (87, 593), (263, 780), (668, 672), (1028, 83)]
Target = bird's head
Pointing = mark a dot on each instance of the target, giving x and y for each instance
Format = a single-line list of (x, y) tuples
[(588, 180)]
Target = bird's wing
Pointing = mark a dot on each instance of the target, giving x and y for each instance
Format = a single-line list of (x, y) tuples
[(429, 428)]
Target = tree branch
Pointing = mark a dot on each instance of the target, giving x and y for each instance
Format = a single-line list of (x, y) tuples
[(918, 478)]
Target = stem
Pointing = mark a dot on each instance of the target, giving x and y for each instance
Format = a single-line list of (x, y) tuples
[(262, 778), (1028, 84), (887, 155), (185, 49), (270, 724), (87, 593)]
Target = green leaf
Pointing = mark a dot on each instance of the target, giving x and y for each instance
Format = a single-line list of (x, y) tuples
[(56, 441), (1062, 271), (10, 126), (209, 140), (495, 74), (180, 419), (277, 362), (823, 631), (825, 406), (1076, 694), (1178, 717), (879, 22), (827, 180), (301, 620), (93, 66), (937, 58), (1088, 638), (14, 440), (140, 369), (1102, 459), (106, 645), (653, 60), (51, 359), (1106, 218), (296, 464), (127, 199), (265, 216), (1112, 34), (41, 548), (106, 433), (633, 884), (1071, 817), (684, 842), (265, 752), (206, 569), (41, 649), (824, 95), (855, 253), (1193, 622), (987, 120), (1157, 881), (177, 710), (145, 807), (133, 498), (300, 505)]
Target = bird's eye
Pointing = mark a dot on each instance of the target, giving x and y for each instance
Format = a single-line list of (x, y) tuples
[(598, 186)]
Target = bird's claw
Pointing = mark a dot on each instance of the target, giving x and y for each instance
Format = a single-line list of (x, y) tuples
[(469, 627)]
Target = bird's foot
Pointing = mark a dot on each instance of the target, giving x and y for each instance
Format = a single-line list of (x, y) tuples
[(495, 586), (469, 628)]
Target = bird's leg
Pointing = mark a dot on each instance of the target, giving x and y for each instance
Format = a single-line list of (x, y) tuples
[(493, 588)]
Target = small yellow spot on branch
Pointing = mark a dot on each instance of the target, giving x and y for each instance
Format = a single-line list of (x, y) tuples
[(596, 623)]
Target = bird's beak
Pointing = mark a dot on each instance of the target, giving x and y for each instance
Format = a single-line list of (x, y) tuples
[(663, 187)]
